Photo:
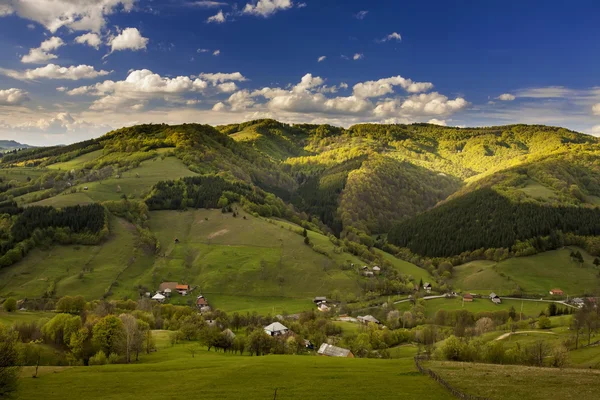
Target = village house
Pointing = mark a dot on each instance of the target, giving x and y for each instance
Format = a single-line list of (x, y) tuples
[(376, 270), (159, 297), (167, 285), (329, 350), (468, 297), (201, 302), (276, 329), (167, 292), (320, 299), (368, 274), (556, 292), (367, 318), (323, 307), (427, 287), (578, 302), (495, 298), (182, 289)]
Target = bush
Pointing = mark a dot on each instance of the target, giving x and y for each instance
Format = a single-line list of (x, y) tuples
[(98, 359), (114, 358), (10, 305), (544, 323)]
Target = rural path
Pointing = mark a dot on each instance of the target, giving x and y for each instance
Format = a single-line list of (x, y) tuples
[(541, 301), (504, 336), (424, 298)]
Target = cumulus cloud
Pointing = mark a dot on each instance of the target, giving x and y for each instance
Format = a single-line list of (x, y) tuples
[(128, 39), (90, 39), (436, 121), (42, 54), (506, 97), (220, 106), (595, 130), (596, 109), (266, 8), (228, 87), (220, 77), (421, 105), (358, 56), (77, 15), (385, 86), (13, 97), (53, 71), (392, 36), (218, 18), (361, 14), (217, 53), (322, 58)]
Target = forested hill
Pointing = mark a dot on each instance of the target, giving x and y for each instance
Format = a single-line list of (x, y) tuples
[(359, 182), (11, 145)]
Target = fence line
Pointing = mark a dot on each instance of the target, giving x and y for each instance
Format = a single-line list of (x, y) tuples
[(457, 393)]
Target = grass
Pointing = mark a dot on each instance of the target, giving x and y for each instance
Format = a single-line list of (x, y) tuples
[(20, 174), (407, 268), (78, 162), (65, 200), (172, 370), (530, 308), (538, 191), (587, 357), (513, 382), (535, 274), (259, 262), (23, 316), (60, 266)]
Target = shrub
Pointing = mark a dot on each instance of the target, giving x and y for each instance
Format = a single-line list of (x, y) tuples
[(114, 358), (10, 305), (98, 359), (544, 323)]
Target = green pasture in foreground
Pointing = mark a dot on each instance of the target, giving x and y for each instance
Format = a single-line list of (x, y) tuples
[(172, 372)]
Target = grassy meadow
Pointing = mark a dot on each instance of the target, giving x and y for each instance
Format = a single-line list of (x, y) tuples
[(514, 382), (535, 274), (173, 371)]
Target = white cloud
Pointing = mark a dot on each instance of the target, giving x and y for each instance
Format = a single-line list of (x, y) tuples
[(139, 87), (90, 39), (596, 109), (220, 77), (392, 36), (506, 97), (421, 105), (220, 106), (42, 54), (62, 89), (228, 87), (546, 92), (53, 71), (217, 53), (128, 39), (202, 51), (358, 56), (361, 15), (218, 18), (77, 15), (192, 102), (322, 58), (266, 8), (595, 130), (207, 4), (436, 121), (13, 97), (385, 86)]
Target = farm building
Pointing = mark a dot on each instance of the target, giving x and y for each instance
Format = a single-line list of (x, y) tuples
[(556, 292), (376, 270), (329, 350), (427, 287), (158, 297), (167, 292), (367, 318), (323, 307), (276, 329), (201, 302), (320, 299), (167, 285), (182, 289), (495, 298), (579, 302), (368, 274), (468, 297)]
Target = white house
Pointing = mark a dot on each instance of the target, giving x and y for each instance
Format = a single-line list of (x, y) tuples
[(427, 287), (367, 318), (376, 270), (158, 297), (276, 329)]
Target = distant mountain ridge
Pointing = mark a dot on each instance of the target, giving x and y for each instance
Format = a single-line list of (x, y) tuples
[(9, 145)]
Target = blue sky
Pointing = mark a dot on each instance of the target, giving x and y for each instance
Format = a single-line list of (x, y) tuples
[(74, 69)]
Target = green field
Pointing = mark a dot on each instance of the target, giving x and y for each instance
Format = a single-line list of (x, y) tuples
[(538, 191), (74, 270), (23, 316), (20, 174), (513, 382), (407, 268), (535, 274), (173, 372), (78, 162), (530, 308)]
